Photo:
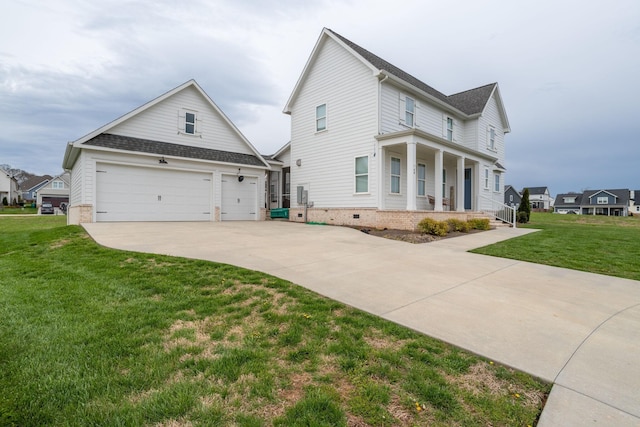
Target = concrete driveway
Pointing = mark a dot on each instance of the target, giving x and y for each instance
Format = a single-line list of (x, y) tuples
[(578, 330)]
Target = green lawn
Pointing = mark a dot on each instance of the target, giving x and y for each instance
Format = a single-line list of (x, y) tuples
[(94, 336), (10, 210), (597, 244)]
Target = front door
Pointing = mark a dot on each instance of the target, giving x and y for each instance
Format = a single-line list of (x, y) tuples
[(467, 189)]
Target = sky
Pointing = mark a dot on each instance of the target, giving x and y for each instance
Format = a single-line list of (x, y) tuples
[(568, 71)]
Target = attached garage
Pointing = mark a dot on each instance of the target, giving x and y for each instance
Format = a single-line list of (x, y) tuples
[(239, 198), (134, 193)]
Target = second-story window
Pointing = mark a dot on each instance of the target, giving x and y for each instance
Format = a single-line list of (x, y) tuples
[(496, 182), (409, 111), (491, 139), (449, 128), (190, 123), (321, 117), (57, 185)]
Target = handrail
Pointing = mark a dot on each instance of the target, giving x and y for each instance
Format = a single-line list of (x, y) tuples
[(504, 213)]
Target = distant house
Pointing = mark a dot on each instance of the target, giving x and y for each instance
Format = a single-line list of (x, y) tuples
[(634, 204), (596, 202), (8, 188), (29, 187), (539, 198), (512, 197), (568, 203), (55, 191)]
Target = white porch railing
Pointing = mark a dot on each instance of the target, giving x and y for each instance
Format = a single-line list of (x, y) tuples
[(504, 213)]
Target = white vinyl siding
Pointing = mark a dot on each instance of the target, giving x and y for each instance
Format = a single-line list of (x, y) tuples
[(158, 123), (395, 175), (349, 90), (491, 118), (362, 174)]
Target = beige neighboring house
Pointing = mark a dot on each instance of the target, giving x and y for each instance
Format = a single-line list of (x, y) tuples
[(8, 188), (56, 191)]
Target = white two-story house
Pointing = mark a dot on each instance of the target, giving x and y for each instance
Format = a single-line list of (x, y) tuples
[(372, 145)]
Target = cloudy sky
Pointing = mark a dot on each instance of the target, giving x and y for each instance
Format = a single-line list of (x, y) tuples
[(569, 71)]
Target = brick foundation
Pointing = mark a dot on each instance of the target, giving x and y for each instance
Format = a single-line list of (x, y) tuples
[(368, 217)]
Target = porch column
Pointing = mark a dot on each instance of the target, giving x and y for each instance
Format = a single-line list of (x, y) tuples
[(460, 185), (437, 170), (411, 176), (381, 176)]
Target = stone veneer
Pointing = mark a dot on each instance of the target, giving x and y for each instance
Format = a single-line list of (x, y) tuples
[(369, 217), (80, 214)]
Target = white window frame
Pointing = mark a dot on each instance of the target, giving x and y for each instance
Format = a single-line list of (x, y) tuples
[(444, 183), (491, 138), (421, 192), (397, 176), (321, 118), (449, 129), (602, 200), (496, 182), (360, 175), (409, 114), (183, 124), (486, 178), (57, 185)]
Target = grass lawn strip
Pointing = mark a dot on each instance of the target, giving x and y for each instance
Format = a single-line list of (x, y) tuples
[(592, 243), (94, 336)]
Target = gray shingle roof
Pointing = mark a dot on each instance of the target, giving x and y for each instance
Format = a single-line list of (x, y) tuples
[(139, 145), (559, 202), (469, 102), (535, 190)]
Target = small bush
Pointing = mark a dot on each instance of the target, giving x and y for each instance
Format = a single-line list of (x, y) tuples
[(479, 223), (458, 225), (522, 217), (432, 226)]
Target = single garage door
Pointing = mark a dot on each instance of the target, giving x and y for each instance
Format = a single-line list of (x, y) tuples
[(131, 193), (239, 198)]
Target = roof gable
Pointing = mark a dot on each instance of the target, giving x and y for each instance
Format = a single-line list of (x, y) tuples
[(537, 190), (467, 103), (69, 158)]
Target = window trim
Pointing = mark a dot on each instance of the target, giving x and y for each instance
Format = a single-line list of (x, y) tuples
[(449, 130), (491, 138), (602, 200), (398, 175), (486, 178), (496, 182), (57, 185), (444, 183), (356, 175), (424, 180), (323, 117), (188, 123)]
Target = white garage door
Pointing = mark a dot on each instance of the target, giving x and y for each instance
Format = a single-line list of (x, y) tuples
[(130, 193), (239, 198)]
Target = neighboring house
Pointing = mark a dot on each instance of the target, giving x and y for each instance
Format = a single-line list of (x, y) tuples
[(512, 197), (595, 202), (634, 202), (372, 145), (29, 187), (55, 191), (568, 203), (539, 198), (176, 158), (8, 188), (279, 178)]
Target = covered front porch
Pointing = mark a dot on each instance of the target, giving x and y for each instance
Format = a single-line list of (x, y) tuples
[(421, 172)]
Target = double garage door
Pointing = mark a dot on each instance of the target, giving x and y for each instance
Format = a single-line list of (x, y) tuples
[(132, 193)]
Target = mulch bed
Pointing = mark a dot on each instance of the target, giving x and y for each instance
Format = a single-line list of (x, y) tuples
[(411, 236)]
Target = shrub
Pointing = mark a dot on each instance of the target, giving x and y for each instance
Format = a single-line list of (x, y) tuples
[(522, 217), (4, 201), (525, 207), (458, 225), (479, 223), (432, 226)]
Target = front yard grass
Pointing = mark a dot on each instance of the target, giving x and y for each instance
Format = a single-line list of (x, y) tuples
[(94, 336), (597, 244), (11, 210)]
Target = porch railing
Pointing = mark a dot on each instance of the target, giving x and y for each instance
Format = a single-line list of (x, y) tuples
[(504, 213)]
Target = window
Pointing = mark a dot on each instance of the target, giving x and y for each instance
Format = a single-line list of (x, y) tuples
[(57, 185), (190, 123), (395, 175), (486, 179), (362, 174), (603, 200), (491, 143), (409, 111), (449, 128), (422, 179), (569, 199), (321, 117), (511, 198), (496, 182), (444, 183)]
